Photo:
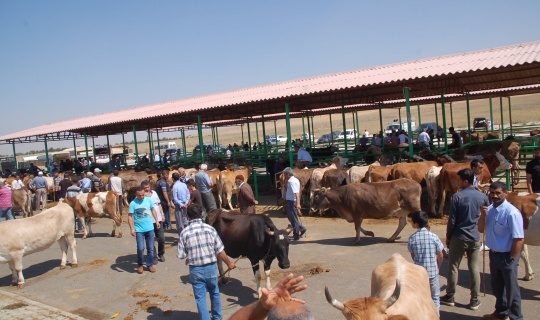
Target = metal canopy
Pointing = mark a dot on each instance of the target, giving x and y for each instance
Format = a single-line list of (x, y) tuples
[(505, 67)]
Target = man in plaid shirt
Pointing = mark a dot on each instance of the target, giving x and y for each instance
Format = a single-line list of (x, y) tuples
[(201, 245), (426, 251)]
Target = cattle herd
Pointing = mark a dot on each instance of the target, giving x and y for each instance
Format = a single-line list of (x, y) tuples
[(373, 191)]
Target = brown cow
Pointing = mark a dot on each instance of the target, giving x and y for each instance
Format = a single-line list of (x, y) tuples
[(413, 170), (379, 173), (529, 206), (99, 204), (226, 185), (358, 201), (21, 200), (318, 173), (399, 291)]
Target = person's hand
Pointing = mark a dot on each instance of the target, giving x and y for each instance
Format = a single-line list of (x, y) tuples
[(231, 265), (133, 232), (256, 202), (299, 207), (484, 210), (282, 292), (447, 241), (158, 225)]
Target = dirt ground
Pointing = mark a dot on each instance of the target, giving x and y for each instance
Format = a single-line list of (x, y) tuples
[(106, 283)]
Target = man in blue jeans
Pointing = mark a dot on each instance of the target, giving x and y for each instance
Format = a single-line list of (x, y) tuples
[(141, 210), (201, 245)]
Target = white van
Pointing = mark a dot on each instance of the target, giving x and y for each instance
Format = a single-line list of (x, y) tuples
[(164, 145)]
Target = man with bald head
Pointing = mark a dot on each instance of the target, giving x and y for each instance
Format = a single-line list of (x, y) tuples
[(290, 310)]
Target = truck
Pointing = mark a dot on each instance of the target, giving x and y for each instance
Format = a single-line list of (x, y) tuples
[(394, 125)]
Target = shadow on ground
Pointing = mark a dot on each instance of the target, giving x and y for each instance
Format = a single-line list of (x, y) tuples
[(127, 263), (33, 271)]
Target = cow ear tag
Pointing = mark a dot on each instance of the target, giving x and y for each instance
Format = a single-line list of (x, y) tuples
[(281, 237)]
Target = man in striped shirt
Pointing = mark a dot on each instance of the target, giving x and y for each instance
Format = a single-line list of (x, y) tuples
[(200, 244)]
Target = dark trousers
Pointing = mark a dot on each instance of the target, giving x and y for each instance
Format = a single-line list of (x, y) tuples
[(504, 284), (160, 238), (166, 213), (292, 215)]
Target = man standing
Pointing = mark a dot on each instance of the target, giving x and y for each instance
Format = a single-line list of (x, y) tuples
[(56, 180), (204, 185), (5, 202), (180, 194), (201, 245), (17, 183), (293, 203), (117, 185), (533, 173), (39, 184), (503, 226), (462, 236), (304, 158), (162, 189), (86, 183), (246, 199), (477, 166), (141, 211), (97, 183), (64, 185), (158, 232)]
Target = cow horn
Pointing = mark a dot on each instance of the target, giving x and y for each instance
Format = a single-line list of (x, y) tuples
[(270, 232), (289, 229), (337, 304), (393, 298)]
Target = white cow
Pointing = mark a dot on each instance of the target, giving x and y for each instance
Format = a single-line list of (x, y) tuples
[(99, 204), (22, 237), (357, 173), (317, 175), (433, 187)]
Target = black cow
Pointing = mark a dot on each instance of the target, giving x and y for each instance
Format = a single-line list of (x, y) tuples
[(253, 236)]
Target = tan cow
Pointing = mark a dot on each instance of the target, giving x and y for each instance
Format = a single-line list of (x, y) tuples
[(22, 237), (226, 184), (99, 204), (358, 201), (529, 206), (21, 200), (433, 187), (413, 170), (304, 176), (318, 173), (379, 173), (399, 291)]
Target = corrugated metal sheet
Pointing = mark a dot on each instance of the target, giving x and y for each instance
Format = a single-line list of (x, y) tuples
[(473, 71)]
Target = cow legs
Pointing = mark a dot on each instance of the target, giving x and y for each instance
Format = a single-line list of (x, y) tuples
[(117, 224), (401, 225), (529, 274), (16, 267), (64, 248), (13, 273), (88, 223), (358, 228), (441, 203), (70, 239)]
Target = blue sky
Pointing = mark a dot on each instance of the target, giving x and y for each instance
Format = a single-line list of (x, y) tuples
[(66, 59)]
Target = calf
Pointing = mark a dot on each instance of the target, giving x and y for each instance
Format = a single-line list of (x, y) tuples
[(25, 236)]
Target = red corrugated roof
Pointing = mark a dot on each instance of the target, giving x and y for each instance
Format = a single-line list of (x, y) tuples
[(471, 71)]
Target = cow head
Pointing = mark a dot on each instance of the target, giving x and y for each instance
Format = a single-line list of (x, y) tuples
[(319, 203), (503, 163), (370, 308), (280, 246)]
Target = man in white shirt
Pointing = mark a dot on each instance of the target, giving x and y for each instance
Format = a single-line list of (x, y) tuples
[(423, 139), (304, 158), (17, 183), (117, 185), (293, 206)]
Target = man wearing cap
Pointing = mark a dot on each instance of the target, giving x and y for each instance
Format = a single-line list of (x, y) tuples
[(86, 183), (39, 184), (204, 185), (304, 158), (5, 202), (97, 184), (246, 199)]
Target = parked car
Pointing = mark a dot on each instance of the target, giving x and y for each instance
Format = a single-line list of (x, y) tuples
[(214, 147), (425, 126), (307, 137), (325, 138), (348, 134), (175, 153), (481, 122)]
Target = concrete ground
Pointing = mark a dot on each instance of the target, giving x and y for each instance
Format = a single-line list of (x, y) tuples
[(106, 283)]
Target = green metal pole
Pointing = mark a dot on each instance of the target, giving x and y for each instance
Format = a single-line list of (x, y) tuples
[(275, 130), (109, 147), (451, 115), (86, 148), (74, 148), (201, 142), (409, 128), (400, 121), (303, 132), (184, 145), (158, 144), (357, 130), (242, 128), (491, 113), (94, 149), (135, 145), (308, 129), (444, 123), (123, 148), (14, 157), (502, 118), (312, 137), (257, 140), (468, 115), (151, 152), (510, 115), (331, 129), (381, 125), (419, 119), (289, 138), (217, 141), (344, 127), (47, 165), (254, 174), (249, 141), (355, 127), (437, 121), (265, 142)]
